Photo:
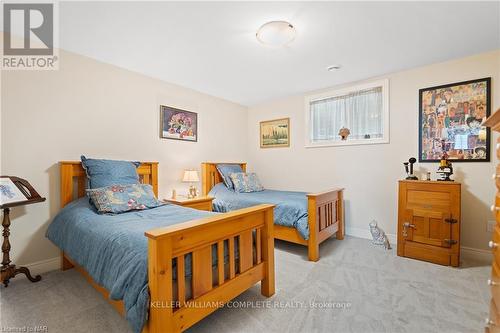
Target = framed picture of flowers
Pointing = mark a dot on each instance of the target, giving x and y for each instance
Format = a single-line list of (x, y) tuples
[(451, 122), (178, 124)]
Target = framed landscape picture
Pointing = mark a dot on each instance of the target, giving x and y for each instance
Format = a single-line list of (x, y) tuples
[(178, 124), (450, 122), (275, 133)]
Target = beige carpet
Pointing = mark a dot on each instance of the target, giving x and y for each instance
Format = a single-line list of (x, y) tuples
[(371, 289)]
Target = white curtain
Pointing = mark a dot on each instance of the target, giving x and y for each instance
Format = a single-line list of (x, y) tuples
[(360, 112)]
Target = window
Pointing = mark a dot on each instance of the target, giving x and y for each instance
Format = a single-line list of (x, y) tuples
[(364, 110)]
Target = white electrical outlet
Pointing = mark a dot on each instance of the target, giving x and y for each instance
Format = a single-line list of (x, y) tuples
[(490, 226)]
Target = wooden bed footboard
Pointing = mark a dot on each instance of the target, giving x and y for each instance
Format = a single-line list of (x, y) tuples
[(326, 218), (170, 310)]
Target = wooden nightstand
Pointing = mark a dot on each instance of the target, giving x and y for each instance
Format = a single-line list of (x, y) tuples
[(200, 202)]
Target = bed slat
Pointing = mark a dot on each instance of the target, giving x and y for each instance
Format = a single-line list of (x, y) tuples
[(328, 215), (181, 280), (220, 262), (202, 271), (336, 210), (245, 249), (258, 242), (231, 258)]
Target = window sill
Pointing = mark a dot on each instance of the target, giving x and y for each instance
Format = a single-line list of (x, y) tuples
[(347, 143)]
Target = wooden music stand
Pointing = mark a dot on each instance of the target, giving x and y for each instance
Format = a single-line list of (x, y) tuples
[(9, 270)]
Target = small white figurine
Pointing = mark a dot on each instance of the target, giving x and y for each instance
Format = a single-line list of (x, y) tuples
[(379, 236)]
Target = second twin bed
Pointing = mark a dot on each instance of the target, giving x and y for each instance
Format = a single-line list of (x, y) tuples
[(302, 218)]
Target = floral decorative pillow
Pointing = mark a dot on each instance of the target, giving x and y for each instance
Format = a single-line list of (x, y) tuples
[(246, 182), (123, 198)]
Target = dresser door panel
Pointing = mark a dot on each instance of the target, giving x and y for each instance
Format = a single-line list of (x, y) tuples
[(428, 227), (429, 200)]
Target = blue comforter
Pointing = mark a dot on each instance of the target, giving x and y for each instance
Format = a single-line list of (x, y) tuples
[(290, 210), (114, 250)]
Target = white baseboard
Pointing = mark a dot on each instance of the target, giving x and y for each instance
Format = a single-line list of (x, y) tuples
[(466, 252), (44, 266), (476, 254)]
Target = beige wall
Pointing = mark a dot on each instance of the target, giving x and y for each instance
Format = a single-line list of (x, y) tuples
[(370, 172), (99, 110)]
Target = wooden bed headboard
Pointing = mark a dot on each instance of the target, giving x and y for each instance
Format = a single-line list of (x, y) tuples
[(211, 177), (74, 179)]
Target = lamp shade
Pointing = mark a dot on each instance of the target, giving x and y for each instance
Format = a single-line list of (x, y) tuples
[(190, 176)]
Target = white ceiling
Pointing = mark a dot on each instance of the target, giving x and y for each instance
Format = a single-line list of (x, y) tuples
[(211, 47)]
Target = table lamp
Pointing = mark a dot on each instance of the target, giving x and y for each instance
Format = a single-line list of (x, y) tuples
[(191, 176)]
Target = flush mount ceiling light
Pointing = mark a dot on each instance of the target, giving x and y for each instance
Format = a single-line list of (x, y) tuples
[(276, 33)]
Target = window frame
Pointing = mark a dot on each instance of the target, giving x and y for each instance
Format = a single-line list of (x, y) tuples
[(332, 93)]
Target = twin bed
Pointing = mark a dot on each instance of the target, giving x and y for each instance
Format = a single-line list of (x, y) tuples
[(302, 218), (168, 267), (174, 276)]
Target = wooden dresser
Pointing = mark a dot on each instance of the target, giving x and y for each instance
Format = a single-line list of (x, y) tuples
[(493, 321), (429, 221)]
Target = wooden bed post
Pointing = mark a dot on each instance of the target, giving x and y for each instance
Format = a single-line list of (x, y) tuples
[(205, 179), (312, 243), (66, 184), (160, 285), (267, 286), (340, 209), (65, 263), (154, 178)]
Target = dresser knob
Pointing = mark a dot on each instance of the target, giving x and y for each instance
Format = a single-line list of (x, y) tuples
[(495, 176), (492, 283), (494, 208), (488, 322), (498, 145), (492, 245)]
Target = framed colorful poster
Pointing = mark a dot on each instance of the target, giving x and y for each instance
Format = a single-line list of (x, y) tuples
[(275, 133), (450, 122), (178, 124)]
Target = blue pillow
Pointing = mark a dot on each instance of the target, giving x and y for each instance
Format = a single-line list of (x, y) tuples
[(246, 182), (226, 170), (101, 173), (123, 198)]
